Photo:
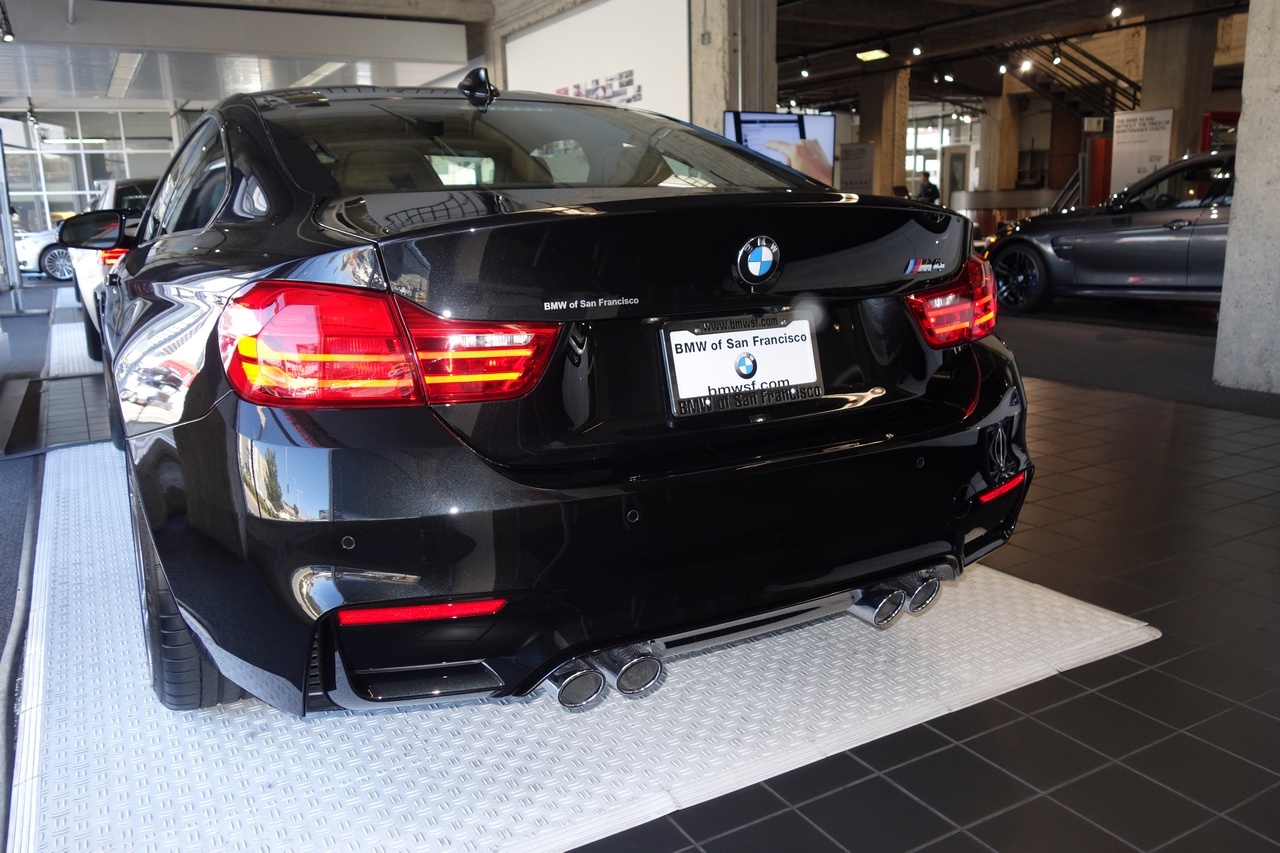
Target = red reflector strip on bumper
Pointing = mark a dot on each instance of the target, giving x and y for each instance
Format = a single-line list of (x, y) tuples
[(1002, 489), (420, 612)]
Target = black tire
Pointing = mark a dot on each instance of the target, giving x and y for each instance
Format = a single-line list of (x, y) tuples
[(92, 340), (182, 673), (1022, 280), (55, 262)]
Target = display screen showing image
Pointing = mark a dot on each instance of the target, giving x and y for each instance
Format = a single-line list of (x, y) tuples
[(803, 142)]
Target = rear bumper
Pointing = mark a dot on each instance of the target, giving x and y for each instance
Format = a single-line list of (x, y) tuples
[(267, 528)]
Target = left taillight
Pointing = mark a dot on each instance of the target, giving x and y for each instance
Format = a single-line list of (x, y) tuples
[(309, 345), (109, 257), (288, 344), (959, 312)]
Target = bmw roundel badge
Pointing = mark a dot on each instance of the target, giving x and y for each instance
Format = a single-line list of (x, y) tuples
[(746, 365), (759, 263)]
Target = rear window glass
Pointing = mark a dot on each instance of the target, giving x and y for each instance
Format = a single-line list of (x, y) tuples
[(353, 147)]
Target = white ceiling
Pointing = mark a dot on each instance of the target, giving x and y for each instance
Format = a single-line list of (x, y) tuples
[(66, 52)]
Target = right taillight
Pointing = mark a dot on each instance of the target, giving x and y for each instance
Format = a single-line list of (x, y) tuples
[(960, 312), (297, 344)]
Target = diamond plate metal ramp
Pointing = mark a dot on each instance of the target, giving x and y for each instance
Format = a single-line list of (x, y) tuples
[(101, 766)]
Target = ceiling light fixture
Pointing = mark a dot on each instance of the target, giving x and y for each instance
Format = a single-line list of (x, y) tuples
[(948, 76), (1025, 66), (319, 74), (122, 75), (1116, 12), (1057, 57), (1004, 69), (873, 54), (6, 28), (917, 49)]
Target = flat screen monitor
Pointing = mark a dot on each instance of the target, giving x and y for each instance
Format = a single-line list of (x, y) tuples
[(804, 142)]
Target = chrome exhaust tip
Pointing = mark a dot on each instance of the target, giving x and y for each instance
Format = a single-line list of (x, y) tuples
[(921, 588), (577, 684), (631, 669), (878, 605)]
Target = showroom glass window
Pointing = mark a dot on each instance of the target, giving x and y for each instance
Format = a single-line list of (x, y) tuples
[(57, 160), (194, 187)]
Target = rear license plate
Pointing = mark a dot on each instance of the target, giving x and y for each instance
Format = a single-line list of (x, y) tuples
[(730, 363)]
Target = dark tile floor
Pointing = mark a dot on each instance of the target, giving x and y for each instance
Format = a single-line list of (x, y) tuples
[(1165, 511)]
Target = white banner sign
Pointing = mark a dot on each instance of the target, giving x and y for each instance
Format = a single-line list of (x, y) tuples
[(857, 167), (1140, 145)]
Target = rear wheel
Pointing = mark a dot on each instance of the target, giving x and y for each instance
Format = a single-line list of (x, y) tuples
[(183, 675), (1022, 282), (55, 262)]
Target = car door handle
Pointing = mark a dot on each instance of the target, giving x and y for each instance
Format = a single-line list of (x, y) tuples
[(1177, 224)]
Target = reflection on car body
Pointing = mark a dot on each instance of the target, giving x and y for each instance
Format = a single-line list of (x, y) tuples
[(91, 267), (435, 396), (1163, 238)]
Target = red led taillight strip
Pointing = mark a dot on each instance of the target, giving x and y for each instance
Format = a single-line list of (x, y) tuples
[(1002, 489), (420, 612)]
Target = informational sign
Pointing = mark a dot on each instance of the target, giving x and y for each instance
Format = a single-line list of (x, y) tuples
[(1140, 145), (857, 167), (632, 52)]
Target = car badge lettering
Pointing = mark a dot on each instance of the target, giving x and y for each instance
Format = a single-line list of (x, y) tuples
[(759, 264), (746, 365), (915, 266)]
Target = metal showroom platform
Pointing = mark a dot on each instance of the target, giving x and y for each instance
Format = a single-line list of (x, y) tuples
[(101, 766)]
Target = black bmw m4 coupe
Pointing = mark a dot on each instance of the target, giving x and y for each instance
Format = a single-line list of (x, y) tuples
[(435, 395)]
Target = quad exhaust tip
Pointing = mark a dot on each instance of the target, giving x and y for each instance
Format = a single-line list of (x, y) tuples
[(631, 670), (920, 589), (878, 605), (577, 684)]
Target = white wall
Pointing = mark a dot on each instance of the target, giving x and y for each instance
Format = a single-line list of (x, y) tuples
[(597, 42)]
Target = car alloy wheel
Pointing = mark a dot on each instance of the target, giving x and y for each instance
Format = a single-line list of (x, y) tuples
[(55, 262), (1022, 284)]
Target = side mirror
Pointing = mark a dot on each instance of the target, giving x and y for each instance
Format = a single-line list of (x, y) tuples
[(99, 229)]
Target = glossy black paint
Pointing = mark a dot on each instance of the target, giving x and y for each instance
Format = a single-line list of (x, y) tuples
[(601, 517)]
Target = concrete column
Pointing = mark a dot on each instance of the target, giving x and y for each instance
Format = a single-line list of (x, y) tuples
[(1001, 139), (1248, 354), (734, 47), (883, 111), (1177, 71)]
